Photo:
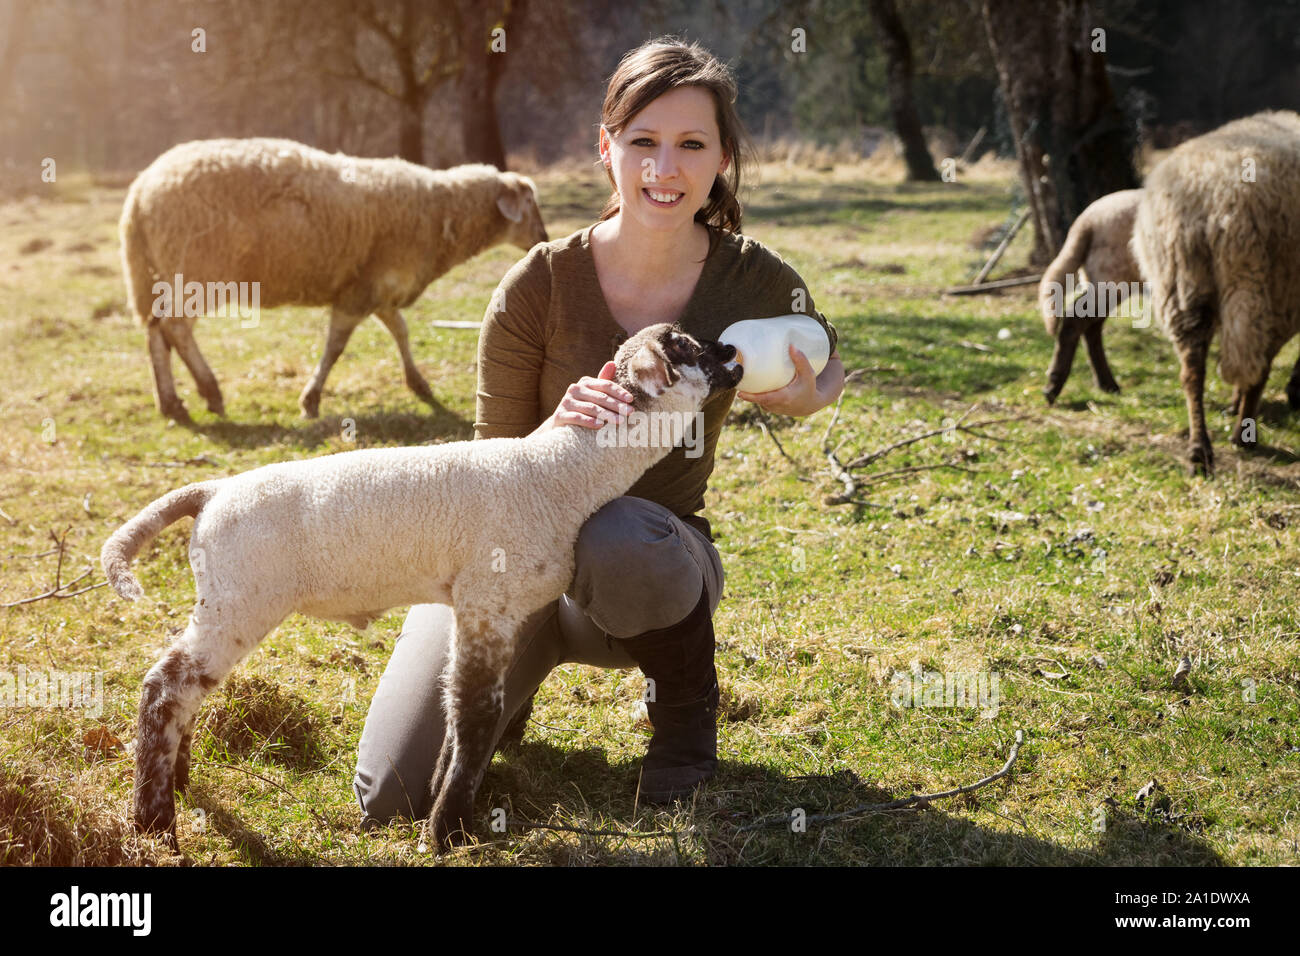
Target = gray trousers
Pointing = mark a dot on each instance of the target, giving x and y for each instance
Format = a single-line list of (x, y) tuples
[(638, 568)]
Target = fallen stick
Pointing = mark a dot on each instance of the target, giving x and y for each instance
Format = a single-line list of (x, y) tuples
[(916, 798), (989, 286)]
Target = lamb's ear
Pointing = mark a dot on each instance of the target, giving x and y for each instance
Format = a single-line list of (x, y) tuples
[(651, 369), (511, 202)]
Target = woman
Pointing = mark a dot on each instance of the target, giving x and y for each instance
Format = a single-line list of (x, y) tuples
[(667, 248)]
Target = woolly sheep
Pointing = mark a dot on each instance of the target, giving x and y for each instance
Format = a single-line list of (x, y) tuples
[(1217, 239), (1098, 243), (302, 226), (487, 526)]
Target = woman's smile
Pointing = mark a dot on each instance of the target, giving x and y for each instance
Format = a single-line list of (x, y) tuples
[(662, 198)]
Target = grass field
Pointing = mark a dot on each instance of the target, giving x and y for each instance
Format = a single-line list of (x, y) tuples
[(1070, 557)]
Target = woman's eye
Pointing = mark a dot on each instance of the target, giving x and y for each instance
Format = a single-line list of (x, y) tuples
[(642, 141), (693, 144)]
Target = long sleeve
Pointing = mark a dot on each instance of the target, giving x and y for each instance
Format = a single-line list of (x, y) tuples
[(512, 350)]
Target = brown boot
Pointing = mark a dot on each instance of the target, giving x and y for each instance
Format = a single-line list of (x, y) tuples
[(682, 703)]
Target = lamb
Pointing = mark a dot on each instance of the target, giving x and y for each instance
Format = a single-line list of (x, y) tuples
[(349, 536), (1217, 239), (298, 225), (1098, 242)]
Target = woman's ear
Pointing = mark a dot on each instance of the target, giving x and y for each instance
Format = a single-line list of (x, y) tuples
[(604, 146), (726, 161)]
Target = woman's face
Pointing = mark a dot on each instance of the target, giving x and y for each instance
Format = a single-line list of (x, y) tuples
[(665, 160)]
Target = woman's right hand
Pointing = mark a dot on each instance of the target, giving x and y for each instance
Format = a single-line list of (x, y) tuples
[(591, 402)]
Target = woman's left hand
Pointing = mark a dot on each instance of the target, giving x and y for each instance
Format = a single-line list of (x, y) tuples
[(800, 397)]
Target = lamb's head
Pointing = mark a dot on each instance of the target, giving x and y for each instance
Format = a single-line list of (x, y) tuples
[(667, 370), (518, 203)]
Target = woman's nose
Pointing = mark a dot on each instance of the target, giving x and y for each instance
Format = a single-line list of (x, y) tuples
[(665, 165)]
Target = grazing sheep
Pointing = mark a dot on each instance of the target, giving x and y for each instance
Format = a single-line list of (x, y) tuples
[(1217, 239), (488, 526), (298, 225), (1098, 242)]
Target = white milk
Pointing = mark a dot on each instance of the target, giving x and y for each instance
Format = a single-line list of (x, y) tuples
[(763, 349)]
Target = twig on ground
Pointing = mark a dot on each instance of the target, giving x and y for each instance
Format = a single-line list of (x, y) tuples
[(60, 589), (919, 798)]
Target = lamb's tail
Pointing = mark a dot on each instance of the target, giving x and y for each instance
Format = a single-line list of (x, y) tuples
[(1051, 290), (120, 549), (137, 266)]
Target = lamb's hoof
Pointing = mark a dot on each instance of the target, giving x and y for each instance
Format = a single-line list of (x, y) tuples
[(1110, 386), (310, 408), (1050, 392), (447, 828), (217, 408), (154, 825)]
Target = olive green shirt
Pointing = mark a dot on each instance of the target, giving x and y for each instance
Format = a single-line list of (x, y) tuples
[(548, 325)]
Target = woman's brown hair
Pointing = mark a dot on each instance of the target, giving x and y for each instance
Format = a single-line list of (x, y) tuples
[(665, 64)]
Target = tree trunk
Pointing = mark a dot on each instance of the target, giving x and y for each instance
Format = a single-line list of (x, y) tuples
[(902, 106), (1071, 138), (480, 130)]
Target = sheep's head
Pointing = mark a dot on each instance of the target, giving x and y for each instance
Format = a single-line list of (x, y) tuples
[(667, 370), (518, 203)]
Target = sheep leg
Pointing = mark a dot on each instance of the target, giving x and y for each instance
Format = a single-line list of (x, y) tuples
[(341, 327), (396, 325), (180, 335), (1067, 342), (475, 700), (164, 386), (1293, 387), (1247, 410), (1097, 357), (1192, 353)]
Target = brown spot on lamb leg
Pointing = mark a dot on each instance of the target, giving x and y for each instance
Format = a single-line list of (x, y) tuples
[(396, 325), (182, 782), (1192, 354), (1067, 342), (180, 335), (1101, 373)]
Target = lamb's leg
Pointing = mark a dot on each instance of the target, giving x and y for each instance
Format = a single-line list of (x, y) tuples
[(1193, 348), (1067, 341), (1097, 357), (173, 690), (180, 335), (182, 782), (341, 326), (164, 386), (396, 325), (475, 698)]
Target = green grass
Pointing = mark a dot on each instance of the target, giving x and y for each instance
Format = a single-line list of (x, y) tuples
[(1073, 557)]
